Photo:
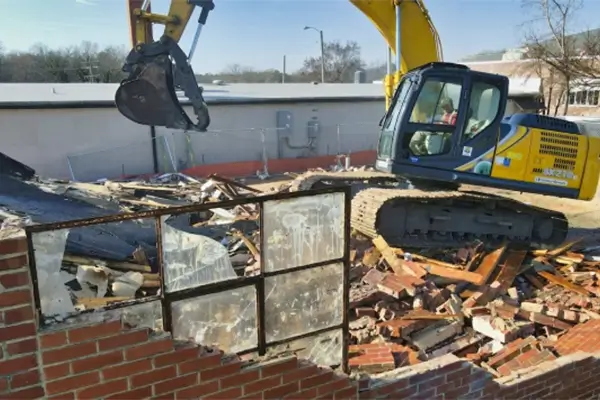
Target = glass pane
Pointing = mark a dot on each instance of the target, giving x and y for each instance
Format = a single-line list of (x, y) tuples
[(303, 231), (323, 349), (437, 103), (397, 106), (227, 319), (191, 259), (303, 301), (483, 109)]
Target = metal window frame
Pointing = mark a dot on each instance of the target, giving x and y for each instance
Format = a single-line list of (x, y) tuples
[(258, 282)]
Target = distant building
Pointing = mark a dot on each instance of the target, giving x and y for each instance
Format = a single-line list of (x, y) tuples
[(584, 100)]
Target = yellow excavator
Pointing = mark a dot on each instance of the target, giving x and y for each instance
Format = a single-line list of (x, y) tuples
[(444, 130)]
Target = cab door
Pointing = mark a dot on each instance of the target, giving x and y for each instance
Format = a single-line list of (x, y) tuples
[(479, 134)]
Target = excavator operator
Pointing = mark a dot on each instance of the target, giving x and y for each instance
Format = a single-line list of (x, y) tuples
[(447, 106)]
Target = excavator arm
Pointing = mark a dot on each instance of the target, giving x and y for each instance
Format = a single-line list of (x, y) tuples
[(409, 32), (156, 69)]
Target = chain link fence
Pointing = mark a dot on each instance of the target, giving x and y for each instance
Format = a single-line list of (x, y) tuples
[(178, 151)]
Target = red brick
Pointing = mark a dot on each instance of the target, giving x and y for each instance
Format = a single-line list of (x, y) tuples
[(149, 349), (17, 331), (277, 368), (176, 383), (30, 393), (201, 363), (94, 363), (13, 245), (17, 315), (126, 369), (141, 393), (300, 373), (347, 393), (305, 394), (262, 385), (221, 371), (3, 385), (72, 383), (332, 386), (69, 353), (233, 393), (123, 339), (15, 298), (63, 396), (57, 371), (94, 331), (25, 379), (156, 375), (240, 379), (14, 280), (9, 367), (103, 389), (178, 356), (281, 391), (22, 347), (198, 391), (167, 396), (317, 380), (13, 262), (54, 339)]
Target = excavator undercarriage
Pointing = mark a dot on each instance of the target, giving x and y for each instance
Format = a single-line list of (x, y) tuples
[(430, 216)]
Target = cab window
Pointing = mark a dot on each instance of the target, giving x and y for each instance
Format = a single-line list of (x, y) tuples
[(437, 103), (484, 106)]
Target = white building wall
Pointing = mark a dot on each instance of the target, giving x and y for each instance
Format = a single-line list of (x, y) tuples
[(97, 143)]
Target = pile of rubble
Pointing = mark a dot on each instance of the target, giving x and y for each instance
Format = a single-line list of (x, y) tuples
[(503, 309)]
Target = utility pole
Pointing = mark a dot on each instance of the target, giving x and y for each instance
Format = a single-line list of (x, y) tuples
[(322, 50), (90, 66), (283, 74)]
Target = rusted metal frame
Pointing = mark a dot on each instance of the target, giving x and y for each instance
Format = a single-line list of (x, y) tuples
[(346, 284), (260, 288), (304, 267), (258, 281), (167, 315), (176, 210), (34, 280)]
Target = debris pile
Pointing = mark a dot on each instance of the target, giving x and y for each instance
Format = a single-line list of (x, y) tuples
[(504, 309)]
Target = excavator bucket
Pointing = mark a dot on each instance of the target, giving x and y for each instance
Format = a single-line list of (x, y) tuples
[(148, 95)]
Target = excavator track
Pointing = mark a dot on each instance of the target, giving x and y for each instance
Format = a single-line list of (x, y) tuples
[(430, 217)]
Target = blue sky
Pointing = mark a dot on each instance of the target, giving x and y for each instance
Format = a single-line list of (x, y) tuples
[(258, 33)]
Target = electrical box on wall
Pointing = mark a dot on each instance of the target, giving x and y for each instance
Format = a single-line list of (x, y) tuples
[(284, 123), (313, 128)]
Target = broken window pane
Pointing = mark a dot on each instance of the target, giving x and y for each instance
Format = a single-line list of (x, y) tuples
[(303, 301), (192, 256), (303, 230), (227, 319), (323, 349), (49, 248), (95, 266)]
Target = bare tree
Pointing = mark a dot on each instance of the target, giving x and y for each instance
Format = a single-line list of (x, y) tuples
[(341, 62), (552, 47)]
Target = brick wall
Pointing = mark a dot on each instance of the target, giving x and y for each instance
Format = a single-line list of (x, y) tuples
[(109, 359)]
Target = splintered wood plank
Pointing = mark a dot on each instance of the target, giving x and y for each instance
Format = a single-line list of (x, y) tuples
[(399, 266), (453, 273), (488, 265), (564, 247), (510, 269), (559, 280)]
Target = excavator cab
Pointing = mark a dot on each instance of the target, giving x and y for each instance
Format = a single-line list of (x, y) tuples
[(442, 116), (157, 70), (446, 126)]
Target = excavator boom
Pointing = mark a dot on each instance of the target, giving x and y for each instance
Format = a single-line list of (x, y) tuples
[(157, 69)]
